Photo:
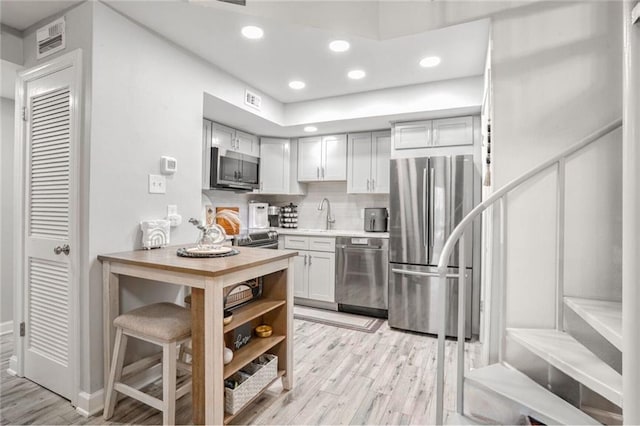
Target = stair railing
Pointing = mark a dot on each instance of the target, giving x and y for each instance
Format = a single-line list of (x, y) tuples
[(458, 235)]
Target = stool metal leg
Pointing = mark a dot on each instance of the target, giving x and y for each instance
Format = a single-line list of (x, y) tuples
[(115, 374)]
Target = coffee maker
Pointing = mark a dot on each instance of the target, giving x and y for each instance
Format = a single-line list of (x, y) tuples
[(274, 216), (258, 215)]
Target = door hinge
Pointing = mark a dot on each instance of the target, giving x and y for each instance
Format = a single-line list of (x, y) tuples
[(22, 329), (25, 114), (482, 306)]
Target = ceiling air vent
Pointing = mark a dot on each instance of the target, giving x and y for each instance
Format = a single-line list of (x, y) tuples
[(238, 2), (51, 38), (252, 99)]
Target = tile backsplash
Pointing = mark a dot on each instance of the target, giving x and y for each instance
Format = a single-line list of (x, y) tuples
[(347, 209)]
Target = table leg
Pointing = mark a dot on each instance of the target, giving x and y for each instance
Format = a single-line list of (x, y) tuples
[(110, 310), (207, 341), (213, 353), (287, 379), (197, 357)]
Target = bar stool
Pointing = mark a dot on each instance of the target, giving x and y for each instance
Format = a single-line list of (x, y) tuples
[(166, 325)]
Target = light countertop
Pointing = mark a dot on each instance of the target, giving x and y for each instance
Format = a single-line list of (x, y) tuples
[(331, 233)]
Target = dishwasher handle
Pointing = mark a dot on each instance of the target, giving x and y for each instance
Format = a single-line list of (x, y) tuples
[(346, 247)]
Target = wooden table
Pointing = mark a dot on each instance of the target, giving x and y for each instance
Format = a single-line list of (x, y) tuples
[(208, 278)]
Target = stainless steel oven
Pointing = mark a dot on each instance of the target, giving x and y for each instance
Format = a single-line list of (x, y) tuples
[(362, 275), (266, 240)]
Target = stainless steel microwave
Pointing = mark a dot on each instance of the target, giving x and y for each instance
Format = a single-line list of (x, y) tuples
[(231, 170)]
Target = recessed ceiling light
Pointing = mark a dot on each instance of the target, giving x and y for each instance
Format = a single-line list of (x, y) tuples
[(297, 85), (339, 45), (356, 74), (252, 32), (310, 129), (429, 61)]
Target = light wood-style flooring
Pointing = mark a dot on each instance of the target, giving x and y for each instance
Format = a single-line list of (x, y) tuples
[(341, 377)]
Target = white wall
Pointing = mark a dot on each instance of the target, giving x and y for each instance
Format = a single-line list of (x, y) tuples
[(6, 211), (556, 71), (11, 47)]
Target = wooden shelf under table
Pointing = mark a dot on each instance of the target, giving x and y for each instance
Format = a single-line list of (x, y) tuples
[(229, 417), (252, 310), (256, 347)]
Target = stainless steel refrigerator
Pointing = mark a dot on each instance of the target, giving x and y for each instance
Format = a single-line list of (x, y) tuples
[(429, 196)]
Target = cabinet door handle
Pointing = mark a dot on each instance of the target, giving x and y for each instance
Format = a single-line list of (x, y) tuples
[(318, 172), (323, 173), (309, 260), (368, 185), (305, 260), (373, 184)]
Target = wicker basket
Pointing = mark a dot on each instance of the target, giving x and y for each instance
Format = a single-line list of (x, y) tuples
[(235, 399)]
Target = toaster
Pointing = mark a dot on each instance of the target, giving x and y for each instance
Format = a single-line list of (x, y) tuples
[(375, 219)]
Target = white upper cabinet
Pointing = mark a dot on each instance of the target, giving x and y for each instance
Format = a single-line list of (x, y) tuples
[(234, 140), (206, 153), (309, 158), (380, 161), (247, 143), (278, 165), (359, 163), (322, 158), (412, 135), (433, 133), (334, 157), (453, 131), (223, 136), (368, 162)]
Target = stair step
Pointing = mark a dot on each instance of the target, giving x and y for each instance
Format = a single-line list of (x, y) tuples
[(571, 357), (536, 401), (605, 317)]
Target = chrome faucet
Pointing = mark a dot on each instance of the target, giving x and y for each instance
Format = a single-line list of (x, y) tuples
[(330, 220)]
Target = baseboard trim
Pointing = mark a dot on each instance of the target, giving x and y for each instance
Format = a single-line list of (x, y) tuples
[(13, 366), (6, 327), (91, 404)]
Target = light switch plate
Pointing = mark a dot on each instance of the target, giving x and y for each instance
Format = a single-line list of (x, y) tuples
[(157, 184)]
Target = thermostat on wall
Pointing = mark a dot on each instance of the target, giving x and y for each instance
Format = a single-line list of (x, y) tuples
[(169, 165)]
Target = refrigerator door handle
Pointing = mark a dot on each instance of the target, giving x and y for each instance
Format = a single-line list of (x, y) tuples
[(424, 207), (432, 187)]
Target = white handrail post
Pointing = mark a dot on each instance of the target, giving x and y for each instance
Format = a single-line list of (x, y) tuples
[(442, 298), (502, 291), (560, 209), (462, 267)]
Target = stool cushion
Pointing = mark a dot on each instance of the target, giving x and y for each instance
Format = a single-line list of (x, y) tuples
[(163, 321)]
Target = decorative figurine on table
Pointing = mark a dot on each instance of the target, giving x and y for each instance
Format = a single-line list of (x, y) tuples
[(211, 237), (155, 233)]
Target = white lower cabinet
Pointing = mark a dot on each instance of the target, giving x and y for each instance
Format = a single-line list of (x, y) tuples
[(314, 271), (322, 271), (300, 275)]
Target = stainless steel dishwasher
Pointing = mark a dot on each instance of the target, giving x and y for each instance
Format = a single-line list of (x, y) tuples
[(362, 266)]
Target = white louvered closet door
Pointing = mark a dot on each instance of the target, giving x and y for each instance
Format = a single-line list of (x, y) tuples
[(50, 215)]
